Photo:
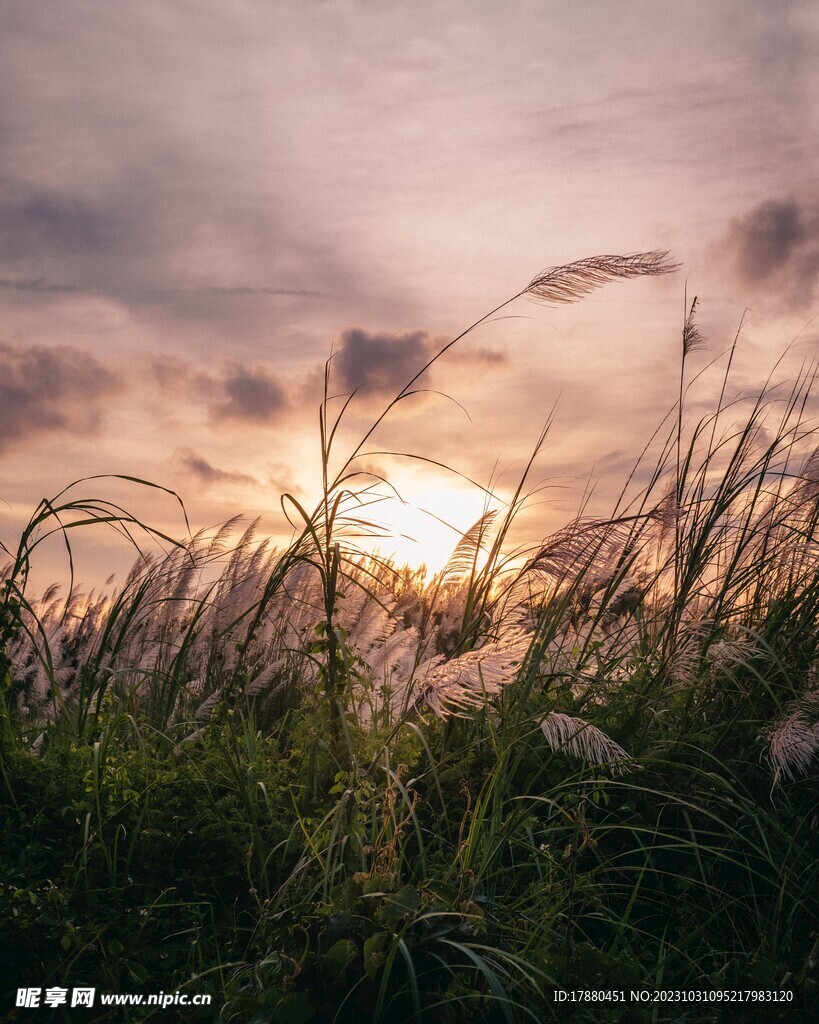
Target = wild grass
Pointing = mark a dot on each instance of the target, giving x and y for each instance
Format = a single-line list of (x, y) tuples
[(326, 788)]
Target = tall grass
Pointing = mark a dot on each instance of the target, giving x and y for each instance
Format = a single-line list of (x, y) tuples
[(324, 787)]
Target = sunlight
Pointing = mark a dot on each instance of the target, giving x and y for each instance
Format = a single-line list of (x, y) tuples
[(426, 529)]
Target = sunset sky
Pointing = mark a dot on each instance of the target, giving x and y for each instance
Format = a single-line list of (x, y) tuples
[(199, 199)]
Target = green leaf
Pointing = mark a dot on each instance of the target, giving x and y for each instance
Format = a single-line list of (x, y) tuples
[(294, 1008), (373, 954), (339, 956), (398, 905)]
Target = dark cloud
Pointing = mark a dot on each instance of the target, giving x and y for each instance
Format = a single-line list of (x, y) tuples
[(133, 240), (767, 237), (380, 364), (208, 474), (254, 396), (776, 246), (229, 393), (118, 237), (43, 225), (50, 389)]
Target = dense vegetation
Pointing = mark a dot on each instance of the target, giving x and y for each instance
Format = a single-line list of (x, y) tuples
[(321, 787)]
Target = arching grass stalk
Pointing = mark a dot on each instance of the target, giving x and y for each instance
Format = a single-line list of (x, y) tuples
[(57, 517)]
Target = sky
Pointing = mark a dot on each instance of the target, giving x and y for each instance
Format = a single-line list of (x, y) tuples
[(200, 202)]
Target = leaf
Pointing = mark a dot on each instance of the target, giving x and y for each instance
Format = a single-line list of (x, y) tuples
[(339, 956), (373, 954), (294, 1008), (398, 905)]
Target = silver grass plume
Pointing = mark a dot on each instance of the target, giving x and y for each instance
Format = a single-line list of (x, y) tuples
[(689, 641), (808, 487), (447, 687), (794, 740), (574, 280), (667, 514), (692, 338), (462, 560), (373, 625), (587, 548), (728, 654), (575, 736), (393, 667)]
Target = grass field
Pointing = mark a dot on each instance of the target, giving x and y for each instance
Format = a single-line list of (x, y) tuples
[(323, 787)]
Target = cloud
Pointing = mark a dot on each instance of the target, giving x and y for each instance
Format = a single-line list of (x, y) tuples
[(52, 225), (45, 390), (144, 183), (175, 373), (775, 246), (254, 396), (302, 293), (208, 474), (380, 364), (230, 393), (766, 238), (36, 284), (488, 357)]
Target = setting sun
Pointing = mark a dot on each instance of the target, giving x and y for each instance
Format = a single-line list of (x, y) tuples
[(427, 533)]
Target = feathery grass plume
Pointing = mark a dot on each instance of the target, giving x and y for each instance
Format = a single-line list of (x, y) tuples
[(686, 657), (37, 655), (692, 338), (569, 735), (464, 558), (794, 740), (729, 653), (667, 514), (808, 486), (392, 667), (368, 620), (574, 280), (466, 681), (585, 548)]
